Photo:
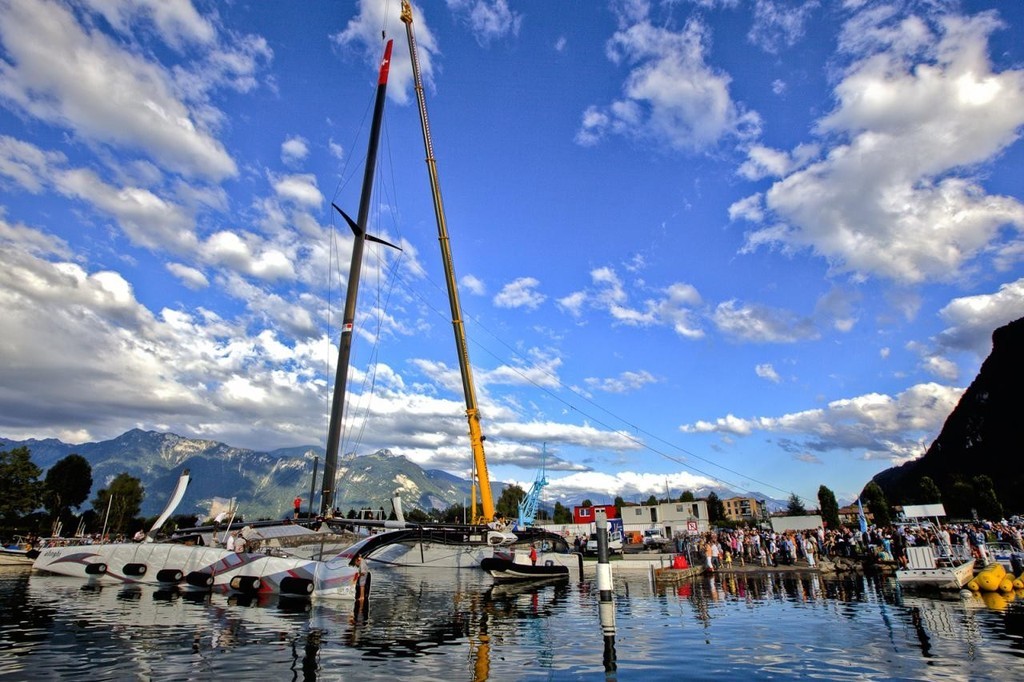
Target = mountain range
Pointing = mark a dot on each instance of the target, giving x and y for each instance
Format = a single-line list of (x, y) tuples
[(265, 483)]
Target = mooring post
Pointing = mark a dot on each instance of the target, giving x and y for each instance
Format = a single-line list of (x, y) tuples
[(606, 607)]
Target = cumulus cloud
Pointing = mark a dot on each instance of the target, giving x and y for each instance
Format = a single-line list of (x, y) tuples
[(520, 293), (473, 284), (766, 371), (671, 95), (626, 484), (972, 319), (362, 34), (294, 150), (189, 276), (89, 84), (778, 25), (674, 306), (626, 382), (918, 106), (298, 188), (488, 20), (761, 324), (873, 426)]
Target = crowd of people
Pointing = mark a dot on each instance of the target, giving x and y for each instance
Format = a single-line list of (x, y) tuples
[(746, 546)]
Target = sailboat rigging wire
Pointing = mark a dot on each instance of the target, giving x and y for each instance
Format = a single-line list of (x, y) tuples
[(598, 421), (357, 413)]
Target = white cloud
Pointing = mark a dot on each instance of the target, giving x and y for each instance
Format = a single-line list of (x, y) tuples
[(764, 162), (778, 25), (671, 96), (941, 368), (761, 324), (629, 485), (189, 276), (294, 150), (178, 22), (673, 307), (520, 293), (917, 109), (489, 20), (875, 426), (627, 382), (247, 254), (363, 33), (749, 208), (300, 188), (972, 319), (89, 84), (473, 284), (766, 371)]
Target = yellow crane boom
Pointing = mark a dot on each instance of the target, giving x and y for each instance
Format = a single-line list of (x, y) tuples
[(480, 479)]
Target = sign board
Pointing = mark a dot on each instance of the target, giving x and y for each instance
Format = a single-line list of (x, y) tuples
[(691, 527), (781, 524), (922, 511)]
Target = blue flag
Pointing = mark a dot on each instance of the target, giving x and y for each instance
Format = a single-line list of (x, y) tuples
[(861, 517)]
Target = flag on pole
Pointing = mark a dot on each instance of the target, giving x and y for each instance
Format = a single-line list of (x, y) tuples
[(860, 517)]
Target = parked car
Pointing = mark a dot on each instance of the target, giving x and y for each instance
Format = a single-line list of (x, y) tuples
[(615, 544), (653, 539)]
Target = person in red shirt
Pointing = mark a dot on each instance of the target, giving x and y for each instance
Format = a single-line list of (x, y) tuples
[(298, 504)]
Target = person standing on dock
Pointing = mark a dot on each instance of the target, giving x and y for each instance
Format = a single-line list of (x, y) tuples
[(298, 505), (533, 554)]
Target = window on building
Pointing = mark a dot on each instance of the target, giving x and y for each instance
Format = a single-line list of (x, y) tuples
[(585, 512), (696, 512), (639, 511)]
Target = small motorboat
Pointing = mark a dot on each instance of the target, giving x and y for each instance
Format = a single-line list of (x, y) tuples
[(508, 570), (17, 553)]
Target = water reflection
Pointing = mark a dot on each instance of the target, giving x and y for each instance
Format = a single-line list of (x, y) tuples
[(462, 626)]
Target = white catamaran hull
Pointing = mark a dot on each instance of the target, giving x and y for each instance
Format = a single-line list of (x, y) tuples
[(414, 553), (203, 568)]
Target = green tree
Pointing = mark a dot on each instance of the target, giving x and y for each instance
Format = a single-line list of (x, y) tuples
[(619, 504), (716, 509), (928, 492), (67, 486), (874, 499), (417, 515), (19, 484), (687, 496), (652, 501), (562, 513), (586, 503), (960, 500), (829, 507), (795, 506), (456, 513), (987, 503), (508, 503), (124, 497)]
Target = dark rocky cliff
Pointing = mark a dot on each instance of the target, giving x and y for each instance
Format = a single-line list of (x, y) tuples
[(981, 437)]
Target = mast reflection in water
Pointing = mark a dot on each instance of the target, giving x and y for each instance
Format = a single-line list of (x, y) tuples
[(459, 626)]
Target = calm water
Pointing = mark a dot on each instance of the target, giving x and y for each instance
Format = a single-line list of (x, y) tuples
[(457, 628)]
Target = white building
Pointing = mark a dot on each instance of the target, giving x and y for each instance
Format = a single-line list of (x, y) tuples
[(668, 517)]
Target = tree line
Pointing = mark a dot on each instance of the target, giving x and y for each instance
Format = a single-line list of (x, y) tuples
[(37, 505)]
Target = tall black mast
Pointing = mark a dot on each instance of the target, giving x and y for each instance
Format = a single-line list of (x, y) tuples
[(345, 346)]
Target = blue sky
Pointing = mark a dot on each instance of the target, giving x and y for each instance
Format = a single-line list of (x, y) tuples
[(751, 243)]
